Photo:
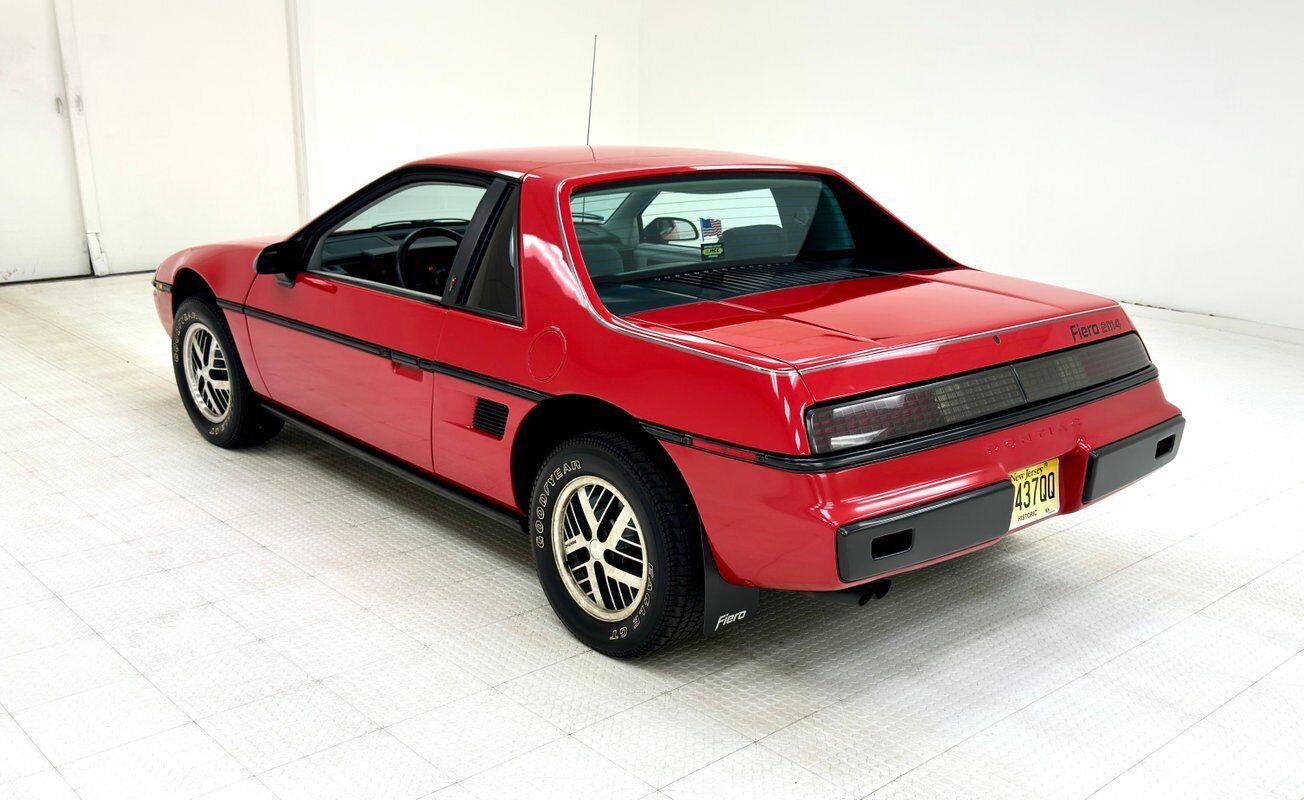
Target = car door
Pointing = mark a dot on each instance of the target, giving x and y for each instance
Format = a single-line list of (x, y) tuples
[(482, 387), (346, 338)]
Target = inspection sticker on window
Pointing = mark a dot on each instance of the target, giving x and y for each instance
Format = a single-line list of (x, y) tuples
[(711, 232)]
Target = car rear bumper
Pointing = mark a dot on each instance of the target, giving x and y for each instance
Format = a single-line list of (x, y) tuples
[(924, 534), (1114, 466), (781, 529), (970, 521)]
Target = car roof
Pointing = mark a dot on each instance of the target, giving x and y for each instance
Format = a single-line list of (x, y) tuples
[(560, 163)]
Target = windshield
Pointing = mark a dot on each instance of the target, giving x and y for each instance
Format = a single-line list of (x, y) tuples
[(657, 243)]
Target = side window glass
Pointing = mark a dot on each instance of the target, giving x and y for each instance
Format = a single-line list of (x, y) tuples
[(425, 221), (596, 208), (494, 285)]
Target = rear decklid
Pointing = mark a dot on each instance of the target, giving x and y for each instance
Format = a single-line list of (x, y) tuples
[(854, 336)]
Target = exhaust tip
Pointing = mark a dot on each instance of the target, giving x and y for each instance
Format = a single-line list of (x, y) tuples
[(857, 595)]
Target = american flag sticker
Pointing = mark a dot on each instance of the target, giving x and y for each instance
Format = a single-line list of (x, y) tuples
[(711, 227)]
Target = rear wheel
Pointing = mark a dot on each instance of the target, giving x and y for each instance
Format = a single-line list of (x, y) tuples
[(617, 546), (212, 382)]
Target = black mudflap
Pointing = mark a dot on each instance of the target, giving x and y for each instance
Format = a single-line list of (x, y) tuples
[(726, 605)]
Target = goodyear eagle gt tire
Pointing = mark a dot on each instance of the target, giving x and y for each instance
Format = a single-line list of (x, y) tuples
[(212, 381), (617, 545)]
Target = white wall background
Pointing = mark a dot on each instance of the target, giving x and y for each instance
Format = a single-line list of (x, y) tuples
[(41, 232), (1149, 151), (413, 78), (1144, 150), (188, 118)]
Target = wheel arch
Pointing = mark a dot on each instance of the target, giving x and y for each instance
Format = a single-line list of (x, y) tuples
[(187, 283), (559, 418)]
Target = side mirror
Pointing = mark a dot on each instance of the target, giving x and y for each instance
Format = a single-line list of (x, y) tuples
[(274, 260), (669, 229)]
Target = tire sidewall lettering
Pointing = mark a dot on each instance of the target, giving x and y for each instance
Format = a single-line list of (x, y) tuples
[(539, 526), (540, 523), (180, 324)]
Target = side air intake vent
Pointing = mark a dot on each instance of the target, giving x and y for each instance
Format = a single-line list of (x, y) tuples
[(490, 417), (749, 278)]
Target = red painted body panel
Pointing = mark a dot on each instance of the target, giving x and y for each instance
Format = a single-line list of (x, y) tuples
[(741, 372), (906, 364), (748, 405), (228, 270), (367, 397), (463, 455), (807, 326), (555, 164)]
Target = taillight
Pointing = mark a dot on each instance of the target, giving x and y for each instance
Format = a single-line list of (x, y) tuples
[(966, 398)]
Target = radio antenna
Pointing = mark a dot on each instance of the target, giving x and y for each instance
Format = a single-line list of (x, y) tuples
[(593, 71)]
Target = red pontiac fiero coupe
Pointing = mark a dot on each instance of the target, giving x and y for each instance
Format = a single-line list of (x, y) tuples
[(688, 375)]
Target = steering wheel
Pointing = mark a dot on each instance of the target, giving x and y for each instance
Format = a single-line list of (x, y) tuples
[(411, 238)]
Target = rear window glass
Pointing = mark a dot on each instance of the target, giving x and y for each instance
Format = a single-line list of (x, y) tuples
[(650, 244)]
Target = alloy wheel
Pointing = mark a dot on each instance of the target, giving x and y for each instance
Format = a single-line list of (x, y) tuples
[(597, 542), (207, 374)]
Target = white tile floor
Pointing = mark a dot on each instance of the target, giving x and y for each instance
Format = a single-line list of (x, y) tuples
[(178, 621)]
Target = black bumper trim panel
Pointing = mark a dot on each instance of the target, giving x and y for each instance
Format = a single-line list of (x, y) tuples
[(1114, 466), (932, 531)]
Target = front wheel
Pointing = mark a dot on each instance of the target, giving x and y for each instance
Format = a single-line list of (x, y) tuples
[(617, 545), (212, 382)]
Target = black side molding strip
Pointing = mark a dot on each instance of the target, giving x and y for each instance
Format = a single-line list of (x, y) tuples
[(789, 463), (916, 444), (371, 348), (425, 481), (313, 330), (483, 380)]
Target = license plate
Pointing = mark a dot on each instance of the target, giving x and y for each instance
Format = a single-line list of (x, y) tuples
[(1036, 493)]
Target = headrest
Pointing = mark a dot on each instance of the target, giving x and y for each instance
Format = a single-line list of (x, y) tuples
[(754, 240), (602, 260)]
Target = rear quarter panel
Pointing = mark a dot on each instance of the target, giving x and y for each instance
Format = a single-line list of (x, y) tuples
[(655, 380)]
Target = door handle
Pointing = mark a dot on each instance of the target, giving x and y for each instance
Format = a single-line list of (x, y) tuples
[(406, 366), (318, 283)]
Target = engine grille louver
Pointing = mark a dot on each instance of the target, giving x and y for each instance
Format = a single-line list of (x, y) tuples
[(490, 417), (749, 278)]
